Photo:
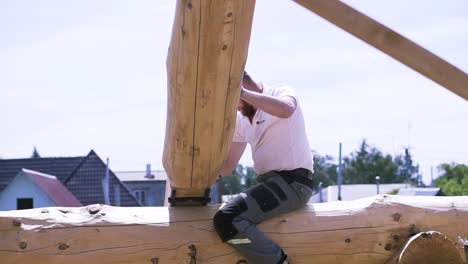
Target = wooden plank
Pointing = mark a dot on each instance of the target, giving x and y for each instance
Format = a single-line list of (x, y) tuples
[(205, 63), (391, 43), (370, 231)]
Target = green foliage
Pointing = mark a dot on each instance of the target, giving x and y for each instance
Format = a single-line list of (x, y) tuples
[(250, 177), (324, 171), (407, 172), (454, 180), (362, 167), (232, 183), (239, 180), (366, 163)]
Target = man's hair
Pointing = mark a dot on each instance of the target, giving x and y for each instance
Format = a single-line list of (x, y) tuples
[(247, 77)]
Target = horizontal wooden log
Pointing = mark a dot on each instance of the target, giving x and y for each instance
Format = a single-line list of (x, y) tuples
[(367, 231)]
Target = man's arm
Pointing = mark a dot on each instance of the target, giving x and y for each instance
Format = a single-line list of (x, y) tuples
[(235, 153), (282, 107)]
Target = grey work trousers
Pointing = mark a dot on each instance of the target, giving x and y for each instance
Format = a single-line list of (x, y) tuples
[(270, 197)]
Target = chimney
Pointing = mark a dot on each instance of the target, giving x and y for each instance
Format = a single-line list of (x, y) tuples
[(148, 172), (105, 185)]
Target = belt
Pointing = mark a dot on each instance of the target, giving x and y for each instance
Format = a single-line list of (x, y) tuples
[(301, 175)]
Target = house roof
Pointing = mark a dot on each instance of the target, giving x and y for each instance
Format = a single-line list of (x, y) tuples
[(419, 191), (82, 176), (54, 189), (127, 176), (62, 168), (356, 191), (351, 192), (87, 179)]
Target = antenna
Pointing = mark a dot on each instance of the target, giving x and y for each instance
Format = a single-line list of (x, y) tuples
[(409, 133), (340, 176)]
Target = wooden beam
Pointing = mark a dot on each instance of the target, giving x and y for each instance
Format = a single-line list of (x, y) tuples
[(370, 231), (391, 43), (205, 62)]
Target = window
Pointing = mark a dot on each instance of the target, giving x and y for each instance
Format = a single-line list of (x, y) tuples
[(117, 194), (141, 196), (24, 203)]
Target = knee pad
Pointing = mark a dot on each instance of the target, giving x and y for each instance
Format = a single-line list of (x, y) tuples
[(223, 219)]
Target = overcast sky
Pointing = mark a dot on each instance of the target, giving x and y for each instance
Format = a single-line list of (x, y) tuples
[(82, 75)]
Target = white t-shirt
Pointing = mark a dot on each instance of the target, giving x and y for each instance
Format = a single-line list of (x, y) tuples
[(277, 144)]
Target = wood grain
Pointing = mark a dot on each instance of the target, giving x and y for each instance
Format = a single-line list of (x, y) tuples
[(430, 248), (205, 62), (368, 231)]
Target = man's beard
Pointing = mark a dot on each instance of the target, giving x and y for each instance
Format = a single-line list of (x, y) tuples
[(248, 110)]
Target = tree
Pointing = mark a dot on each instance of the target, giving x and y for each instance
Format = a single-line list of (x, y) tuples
[(365, 164), (232, 183), (239, 180), (454, 180), (35, 154), (250, 177), (360, 167), (407, 171), (324, 171)]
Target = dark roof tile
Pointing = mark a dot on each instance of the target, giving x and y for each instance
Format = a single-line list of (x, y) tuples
[(82, 176), (59, 167)]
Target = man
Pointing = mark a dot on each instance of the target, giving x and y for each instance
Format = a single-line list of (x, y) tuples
[(271, 122)]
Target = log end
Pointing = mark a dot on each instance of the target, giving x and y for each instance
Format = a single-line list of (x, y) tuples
[(430, 247)]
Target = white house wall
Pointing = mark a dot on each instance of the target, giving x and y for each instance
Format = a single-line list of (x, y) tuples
[(23, 187)]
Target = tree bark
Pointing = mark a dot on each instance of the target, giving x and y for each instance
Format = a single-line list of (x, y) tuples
[(370, 230)]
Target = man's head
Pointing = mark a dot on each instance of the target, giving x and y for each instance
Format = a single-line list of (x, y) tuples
[(248, 83), (245, 108)]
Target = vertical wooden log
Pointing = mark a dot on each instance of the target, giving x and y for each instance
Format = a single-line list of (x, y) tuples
[(205, 63)]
